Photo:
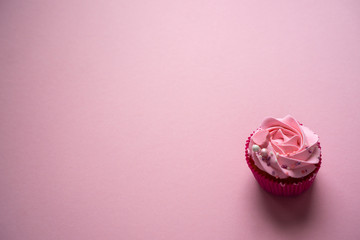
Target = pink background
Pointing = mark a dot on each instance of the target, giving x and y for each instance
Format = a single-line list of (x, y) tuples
[(128, 119)]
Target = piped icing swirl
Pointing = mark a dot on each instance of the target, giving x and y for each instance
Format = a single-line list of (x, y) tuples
[(284, 148)]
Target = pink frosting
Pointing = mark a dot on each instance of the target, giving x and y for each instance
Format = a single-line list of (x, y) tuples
[(286, 148)]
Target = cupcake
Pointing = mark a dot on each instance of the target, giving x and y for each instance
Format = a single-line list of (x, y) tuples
[(283, 155)]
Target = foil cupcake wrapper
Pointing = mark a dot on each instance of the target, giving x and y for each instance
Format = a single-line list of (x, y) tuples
[(281, 187)]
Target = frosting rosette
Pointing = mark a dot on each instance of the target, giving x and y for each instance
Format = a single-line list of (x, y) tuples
[(284, 148)]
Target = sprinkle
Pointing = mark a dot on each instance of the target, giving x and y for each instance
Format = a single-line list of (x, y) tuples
[(273, 172), (255, 148), (264, 152), (284, 166)]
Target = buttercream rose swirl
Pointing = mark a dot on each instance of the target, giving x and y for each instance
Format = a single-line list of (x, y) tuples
[(284, 148)]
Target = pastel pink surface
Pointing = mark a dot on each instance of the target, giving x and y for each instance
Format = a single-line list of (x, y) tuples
[(128, 119)]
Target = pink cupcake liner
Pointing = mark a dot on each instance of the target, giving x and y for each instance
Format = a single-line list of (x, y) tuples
[(281, 187)]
